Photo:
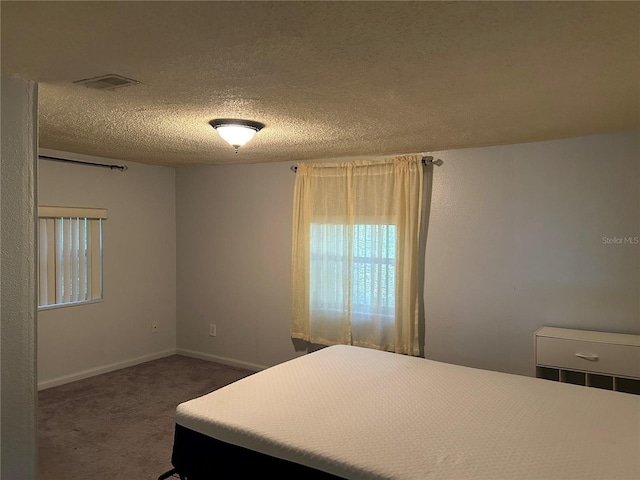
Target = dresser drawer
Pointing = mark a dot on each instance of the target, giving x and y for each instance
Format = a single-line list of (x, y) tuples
[(611, 359)]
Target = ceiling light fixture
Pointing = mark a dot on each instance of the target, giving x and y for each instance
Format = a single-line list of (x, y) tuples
[(236, 132)]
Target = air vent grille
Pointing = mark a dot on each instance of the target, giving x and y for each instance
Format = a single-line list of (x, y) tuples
[(107, 82)]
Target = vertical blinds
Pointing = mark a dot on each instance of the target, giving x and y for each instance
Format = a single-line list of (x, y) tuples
[(70, 260)]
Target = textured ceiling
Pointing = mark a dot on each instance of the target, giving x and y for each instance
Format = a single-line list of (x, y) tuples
[(329, 79)]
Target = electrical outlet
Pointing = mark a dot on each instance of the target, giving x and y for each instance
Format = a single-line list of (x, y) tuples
[(154, 327), (212, 330)]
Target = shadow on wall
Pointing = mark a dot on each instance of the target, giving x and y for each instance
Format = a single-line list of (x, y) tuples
[(424, 230)]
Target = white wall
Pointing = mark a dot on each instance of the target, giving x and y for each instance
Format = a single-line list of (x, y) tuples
[(17, 280), (139, 270), (514, 243), (234, 260)]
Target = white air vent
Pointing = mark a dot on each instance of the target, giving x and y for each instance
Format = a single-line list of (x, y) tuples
[(107, 82)]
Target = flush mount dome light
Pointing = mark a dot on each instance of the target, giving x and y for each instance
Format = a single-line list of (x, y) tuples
[(236, 132)]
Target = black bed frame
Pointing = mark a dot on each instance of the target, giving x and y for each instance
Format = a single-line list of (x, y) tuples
[(199, 457)]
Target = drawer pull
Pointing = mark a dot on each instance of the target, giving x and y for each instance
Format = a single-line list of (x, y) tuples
[(588, 356)]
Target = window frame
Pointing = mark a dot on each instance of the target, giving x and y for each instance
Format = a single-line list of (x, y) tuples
[(59, 256)]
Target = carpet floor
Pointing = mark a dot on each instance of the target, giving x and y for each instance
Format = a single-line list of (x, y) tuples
[(120, 424)]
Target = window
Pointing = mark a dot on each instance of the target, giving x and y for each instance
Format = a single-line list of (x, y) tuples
[(371, 260), (356, 253), (70, 255)]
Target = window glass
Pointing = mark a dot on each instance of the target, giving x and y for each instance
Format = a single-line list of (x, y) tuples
[(368, 253)]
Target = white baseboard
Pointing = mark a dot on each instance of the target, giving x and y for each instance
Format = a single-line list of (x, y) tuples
[(54, 382), (224, 360)]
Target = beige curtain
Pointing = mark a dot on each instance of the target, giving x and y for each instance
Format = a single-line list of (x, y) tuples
[(355, 264)]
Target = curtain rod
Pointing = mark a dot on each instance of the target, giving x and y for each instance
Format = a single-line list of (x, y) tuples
[(425, 161), (122, 168)]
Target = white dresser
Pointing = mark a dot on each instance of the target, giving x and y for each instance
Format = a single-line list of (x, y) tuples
[(595, 359)]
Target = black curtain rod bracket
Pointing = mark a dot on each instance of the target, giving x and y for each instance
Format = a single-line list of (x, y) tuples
[(425, 161), (122, 168)]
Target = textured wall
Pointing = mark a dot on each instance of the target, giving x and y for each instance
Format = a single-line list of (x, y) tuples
[(234, 261), (139, 262), (514, 243), (17, 279)]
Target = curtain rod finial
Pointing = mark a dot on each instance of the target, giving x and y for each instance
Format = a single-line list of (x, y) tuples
[(429, 159)]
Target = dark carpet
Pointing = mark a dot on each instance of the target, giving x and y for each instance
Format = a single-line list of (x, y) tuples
[(119, 425)]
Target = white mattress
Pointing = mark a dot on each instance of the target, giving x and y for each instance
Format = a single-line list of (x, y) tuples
[(365, 414)]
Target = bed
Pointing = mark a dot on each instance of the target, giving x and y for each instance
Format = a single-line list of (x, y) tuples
[(355, 413)]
